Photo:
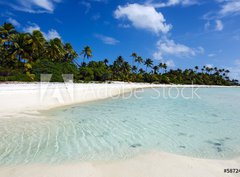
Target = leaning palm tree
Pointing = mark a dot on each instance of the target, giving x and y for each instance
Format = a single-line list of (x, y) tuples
[(70, 53), (148, 63), (86, 52)]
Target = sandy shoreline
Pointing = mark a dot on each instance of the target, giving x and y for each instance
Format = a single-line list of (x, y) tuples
[(16, 99), (152, 164), (35, 96)]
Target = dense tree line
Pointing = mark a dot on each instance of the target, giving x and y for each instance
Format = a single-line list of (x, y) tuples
[(24, 56)]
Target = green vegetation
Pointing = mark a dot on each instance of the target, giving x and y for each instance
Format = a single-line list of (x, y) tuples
[(24, 56)]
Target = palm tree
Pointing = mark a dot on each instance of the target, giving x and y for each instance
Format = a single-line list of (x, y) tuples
[(134, 56), (134, 69), (86, 52), (70, 53), (126, 68), (38, 44), (148, 63), (141, 71), (6, 30), (106, 61), (55, 50), (139, 60), (35, 54), (203, 69), (165, 67), (120, 60), (208, 69), (7, 33), (117, 67), (196, 68), (22, 47), (155, 69), (161, 66)]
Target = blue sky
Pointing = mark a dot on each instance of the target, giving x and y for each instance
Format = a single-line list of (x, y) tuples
[(182, 33)]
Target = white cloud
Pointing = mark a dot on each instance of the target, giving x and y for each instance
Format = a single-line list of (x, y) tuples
[(87, 5), (207, 25), (216, 25), (51, 34), (14, 22), (171, 3), (211, 55), (96, 17), (6, 13), (33, 6), (124, 25), (209, 65), (32, 27), (45, 4), (227, 8), (143, 17), (219, 25), (230, 7), (166, 47), (170, 63), (237, 62), (106, 39)]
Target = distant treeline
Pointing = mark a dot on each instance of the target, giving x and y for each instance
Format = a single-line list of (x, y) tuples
[(24, 56)]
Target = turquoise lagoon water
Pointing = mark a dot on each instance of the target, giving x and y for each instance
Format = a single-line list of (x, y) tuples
[(123, 127)]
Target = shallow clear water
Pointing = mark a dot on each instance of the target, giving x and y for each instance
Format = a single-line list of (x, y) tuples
[(121, 128)]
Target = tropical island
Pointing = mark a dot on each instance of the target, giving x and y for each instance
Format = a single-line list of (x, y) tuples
[(25, 56), (104, 88)]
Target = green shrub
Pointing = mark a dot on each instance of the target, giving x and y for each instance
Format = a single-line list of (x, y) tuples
[(54, 68)]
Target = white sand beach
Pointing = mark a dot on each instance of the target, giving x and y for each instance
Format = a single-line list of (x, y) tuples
[(152, 164), (20, 99), (26, 97)]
